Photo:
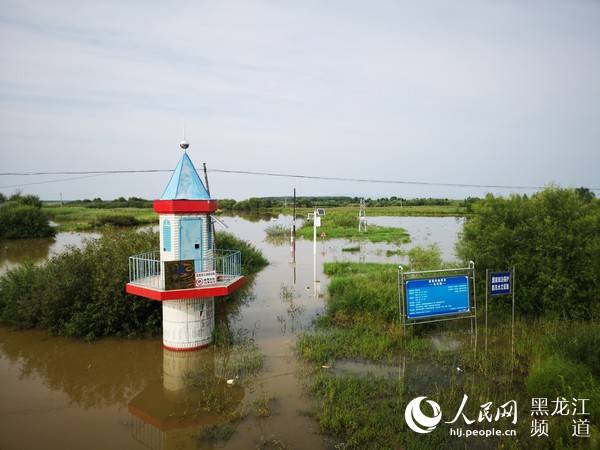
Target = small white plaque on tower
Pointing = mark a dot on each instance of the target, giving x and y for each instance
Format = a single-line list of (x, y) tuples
[(206, 278)]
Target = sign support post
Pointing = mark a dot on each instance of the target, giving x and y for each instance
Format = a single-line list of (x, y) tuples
[(445, 294), (501, 283), (512, 338), (487, 277)]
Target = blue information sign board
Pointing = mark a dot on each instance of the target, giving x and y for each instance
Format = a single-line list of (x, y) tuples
[(427, 297), (500, 283)]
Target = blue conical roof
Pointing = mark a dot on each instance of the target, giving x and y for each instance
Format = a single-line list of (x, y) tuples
[(185, 184)]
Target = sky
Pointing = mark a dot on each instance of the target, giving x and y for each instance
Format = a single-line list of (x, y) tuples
[(475, 92)]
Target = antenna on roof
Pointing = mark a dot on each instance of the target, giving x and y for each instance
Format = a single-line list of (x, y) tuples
[(184, 144)]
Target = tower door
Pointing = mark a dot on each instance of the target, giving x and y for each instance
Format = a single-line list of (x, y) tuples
[(190, 241)]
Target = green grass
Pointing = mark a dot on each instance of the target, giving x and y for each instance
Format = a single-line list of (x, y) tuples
[(342, 223), (80, 218), (349, 268), (407, 211), (553, 358), (325, 345)]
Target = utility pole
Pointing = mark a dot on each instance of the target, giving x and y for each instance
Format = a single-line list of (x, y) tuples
[(211, 225), (293, 235), (206, 178)]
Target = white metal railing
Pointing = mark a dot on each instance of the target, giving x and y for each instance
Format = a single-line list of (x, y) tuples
[(227, 264), (145, 269)]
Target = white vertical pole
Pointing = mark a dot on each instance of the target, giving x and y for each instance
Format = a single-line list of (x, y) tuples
[(315, 245)]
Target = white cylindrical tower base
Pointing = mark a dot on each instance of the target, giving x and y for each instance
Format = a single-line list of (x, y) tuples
[(188, 324)]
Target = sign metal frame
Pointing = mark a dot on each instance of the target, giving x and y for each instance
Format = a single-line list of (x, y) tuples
[(403, 277)]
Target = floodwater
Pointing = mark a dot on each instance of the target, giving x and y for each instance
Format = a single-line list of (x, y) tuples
[(16, 251), (59, 393)]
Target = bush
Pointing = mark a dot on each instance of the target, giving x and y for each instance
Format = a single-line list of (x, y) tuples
[(425, 258), (31, 200), (23, 221), (81, 291), (553, 240)]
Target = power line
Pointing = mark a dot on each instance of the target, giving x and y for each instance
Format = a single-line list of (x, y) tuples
[(281, 175), (52, 181)]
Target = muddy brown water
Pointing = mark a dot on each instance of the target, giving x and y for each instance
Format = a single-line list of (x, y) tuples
[(60, 393)]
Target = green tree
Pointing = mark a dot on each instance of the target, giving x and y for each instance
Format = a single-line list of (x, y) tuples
[(553, 240), (22, 217)]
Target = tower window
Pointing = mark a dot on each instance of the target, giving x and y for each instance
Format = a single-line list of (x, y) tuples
[(166, 234)]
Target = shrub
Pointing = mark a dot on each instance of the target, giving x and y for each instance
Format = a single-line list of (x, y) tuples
[(553, 240), (23, 221), (31, 200), (81, 291), (425, 258)]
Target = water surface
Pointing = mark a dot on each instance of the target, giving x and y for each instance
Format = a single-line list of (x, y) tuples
[(60, 393)]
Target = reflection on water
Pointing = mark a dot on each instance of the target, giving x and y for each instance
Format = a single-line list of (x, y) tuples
[(106, 373), (132, 394), (425, 231), (16, 251), (171, 414)]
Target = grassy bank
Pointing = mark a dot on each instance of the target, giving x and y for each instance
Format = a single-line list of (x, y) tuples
[(341, 223), (453, 210), (82, 218), (80, 292)]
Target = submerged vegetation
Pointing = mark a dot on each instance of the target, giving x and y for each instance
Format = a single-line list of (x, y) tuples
[(81, 292), (277, 234)]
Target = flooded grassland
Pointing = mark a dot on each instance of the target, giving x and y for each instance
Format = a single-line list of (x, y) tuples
[(117, 393)]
